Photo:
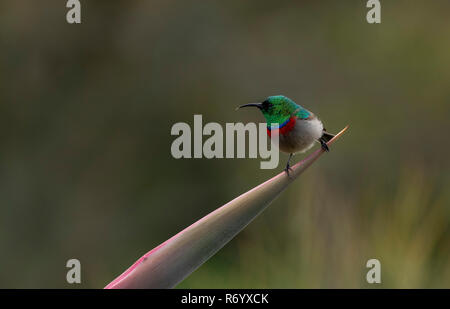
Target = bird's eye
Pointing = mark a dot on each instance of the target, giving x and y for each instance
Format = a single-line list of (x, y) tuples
[(265, 105)]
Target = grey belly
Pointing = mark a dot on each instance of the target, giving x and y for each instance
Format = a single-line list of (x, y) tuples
[(302, 137)]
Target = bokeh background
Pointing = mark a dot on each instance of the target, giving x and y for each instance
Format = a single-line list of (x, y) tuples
[(86, 111)]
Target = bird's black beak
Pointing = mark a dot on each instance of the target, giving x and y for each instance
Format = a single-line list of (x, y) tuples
[(258, 105)]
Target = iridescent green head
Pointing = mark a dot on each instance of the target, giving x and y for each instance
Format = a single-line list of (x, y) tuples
[(278, 109)]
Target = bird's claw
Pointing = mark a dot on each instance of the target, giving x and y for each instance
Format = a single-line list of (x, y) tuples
[(287, 169), (324, 145)]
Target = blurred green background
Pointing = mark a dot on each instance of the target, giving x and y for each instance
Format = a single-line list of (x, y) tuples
[(86, 111)]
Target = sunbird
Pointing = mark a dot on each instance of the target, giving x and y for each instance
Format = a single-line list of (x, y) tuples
[(297, 128)]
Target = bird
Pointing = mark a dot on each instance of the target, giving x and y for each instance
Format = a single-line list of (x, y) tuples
[(297, 128)]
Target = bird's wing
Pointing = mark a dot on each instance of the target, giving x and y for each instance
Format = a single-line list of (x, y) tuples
[(302, 113)]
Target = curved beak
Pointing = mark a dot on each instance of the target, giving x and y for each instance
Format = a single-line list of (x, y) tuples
[(258, 105)]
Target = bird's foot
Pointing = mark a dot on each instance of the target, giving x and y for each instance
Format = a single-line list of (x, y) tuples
[(324, 145), (288, 169)]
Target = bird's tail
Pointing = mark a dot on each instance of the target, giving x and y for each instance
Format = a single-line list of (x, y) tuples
[(326, 136)]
